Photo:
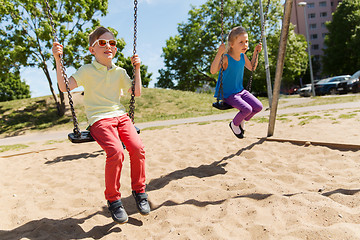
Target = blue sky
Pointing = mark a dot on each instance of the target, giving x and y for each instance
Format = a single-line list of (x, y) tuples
[(157, 21)]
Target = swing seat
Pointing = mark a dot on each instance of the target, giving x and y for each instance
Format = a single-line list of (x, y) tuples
[(86, 137), (222, 105)]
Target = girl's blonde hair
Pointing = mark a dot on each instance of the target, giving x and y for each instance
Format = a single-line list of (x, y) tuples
[(236, 31)]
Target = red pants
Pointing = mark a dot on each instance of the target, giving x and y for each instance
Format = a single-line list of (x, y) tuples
[(109, 133)]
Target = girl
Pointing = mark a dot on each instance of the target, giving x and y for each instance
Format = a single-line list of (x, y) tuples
[(233, 72)]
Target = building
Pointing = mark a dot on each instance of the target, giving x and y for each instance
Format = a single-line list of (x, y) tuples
[(318, 12)]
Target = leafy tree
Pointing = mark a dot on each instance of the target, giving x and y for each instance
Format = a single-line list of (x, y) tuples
[(296, 58), (188, 55), (126, 64), (11, 87), (26, 28), (342, 55)]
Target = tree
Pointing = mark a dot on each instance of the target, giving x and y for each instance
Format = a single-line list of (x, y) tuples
[(296, 58), (188, 55), (26, 28), (11, 86), (126, 64), (29, 34), (342, 54)]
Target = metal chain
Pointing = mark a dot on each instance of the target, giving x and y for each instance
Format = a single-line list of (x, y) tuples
[(76, 130), (132, 99), (221, 91), (248, 86)]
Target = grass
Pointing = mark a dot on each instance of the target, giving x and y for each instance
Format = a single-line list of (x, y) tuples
[(12, 147), (29, 114), (348, 116)]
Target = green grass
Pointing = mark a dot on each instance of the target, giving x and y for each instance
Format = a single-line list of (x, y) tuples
[(12, 147), (348, 116), (28, 114), (307, 119)]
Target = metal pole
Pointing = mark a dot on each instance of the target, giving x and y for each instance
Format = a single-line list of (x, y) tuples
[(280, 65), (267, 69), (309, 53)]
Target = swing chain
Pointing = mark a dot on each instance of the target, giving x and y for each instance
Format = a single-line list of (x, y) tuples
[(132, 99), (76, 130), (248, 86), (221, 92)]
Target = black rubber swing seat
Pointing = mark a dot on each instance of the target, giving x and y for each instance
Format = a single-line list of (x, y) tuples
[(222, 105), (86, 137)]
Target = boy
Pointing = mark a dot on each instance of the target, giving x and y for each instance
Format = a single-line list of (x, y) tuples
[(104, 84)]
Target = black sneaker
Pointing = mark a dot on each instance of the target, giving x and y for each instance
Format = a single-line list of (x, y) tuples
[(118, 212), (142, 203), (241, 134)]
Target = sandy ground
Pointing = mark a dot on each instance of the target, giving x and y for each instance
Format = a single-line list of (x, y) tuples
[(203, 183)]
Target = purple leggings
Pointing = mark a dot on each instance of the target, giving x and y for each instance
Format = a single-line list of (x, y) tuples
[(247, 103)]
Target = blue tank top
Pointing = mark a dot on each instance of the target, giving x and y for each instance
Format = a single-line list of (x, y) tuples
[(232, 77)]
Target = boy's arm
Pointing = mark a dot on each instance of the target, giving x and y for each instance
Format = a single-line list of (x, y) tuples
[(57, 51), (136, 62), (215, 65)]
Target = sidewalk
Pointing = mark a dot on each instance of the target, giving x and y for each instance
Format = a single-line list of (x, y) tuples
[(60, 135)]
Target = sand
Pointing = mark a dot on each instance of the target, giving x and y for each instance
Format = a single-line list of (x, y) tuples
[(203, 183)]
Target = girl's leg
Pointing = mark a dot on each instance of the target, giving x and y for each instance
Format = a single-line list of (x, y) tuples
[(106, 135), (255, 103), (135, 147), (239, 103)]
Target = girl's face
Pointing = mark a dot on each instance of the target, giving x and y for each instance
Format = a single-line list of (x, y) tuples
[(104, 54), (240, 43)]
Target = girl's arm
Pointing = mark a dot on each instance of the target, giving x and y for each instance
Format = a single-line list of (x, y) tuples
[(135, 61), (215, 66), (254, 61), (57, 51)]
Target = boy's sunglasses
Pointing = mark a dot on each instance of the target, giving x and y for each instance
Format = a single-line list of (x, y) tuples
[(103, 42)]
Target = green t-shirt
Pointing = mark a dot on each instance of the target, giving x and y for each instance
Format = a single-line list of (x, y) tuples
[(102, 90)]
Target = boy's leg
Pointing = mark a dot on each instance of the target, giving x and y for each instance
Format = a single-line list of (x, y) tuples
[(105, 133), (133, 143), (255, 103), (135, 147)]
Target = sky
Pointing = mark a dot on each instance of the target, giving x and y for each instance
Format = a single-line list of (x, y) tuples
[(157, 20)]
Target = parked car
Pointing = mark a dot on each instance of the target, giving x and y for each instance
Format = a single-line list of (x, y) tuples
[(350, 85), (329, 85), (305, 91)]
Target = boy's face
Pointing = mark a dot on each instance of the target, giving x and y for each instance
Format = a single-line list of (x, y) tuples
[(104, 54), (241, 43)]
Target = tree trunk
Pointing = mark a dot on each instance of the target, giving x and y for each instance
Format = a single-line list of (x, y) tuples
[(59, 105)]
